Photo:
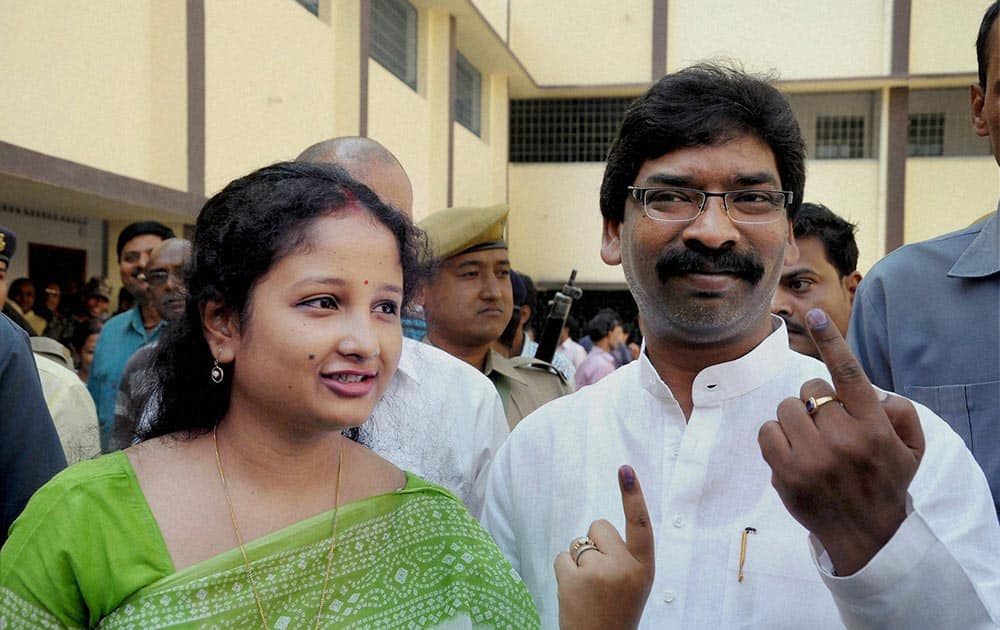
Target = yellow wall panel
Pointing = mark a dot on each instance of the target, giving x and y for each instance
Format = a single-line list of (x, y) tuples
[(473, 170), (946, 194), (495, 14), (943, 35), (555, 223), (269, 74), (798, 39), (850, 188), (399, 118), (591, 42), (83, 82)]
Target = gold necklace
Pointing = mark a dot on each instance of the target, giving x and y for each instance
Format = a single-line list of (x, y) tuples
[(243, 550)]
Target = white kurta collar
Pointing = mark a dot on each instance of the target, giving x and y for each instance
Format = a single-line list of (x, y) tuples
[(724, 381)]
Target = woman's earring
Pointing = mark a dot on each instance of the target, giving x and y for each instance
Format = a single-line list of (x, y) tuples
[(217, 374)]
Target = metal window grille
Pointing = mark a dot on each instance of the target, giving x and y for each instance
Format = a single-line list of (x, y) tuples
[(925, 135), (840, 137), (468, 92), (564, 130), (311, 6), (394, 38)]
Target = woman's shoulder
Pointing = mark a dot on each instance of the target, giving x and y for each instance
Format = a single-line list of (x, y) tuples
[(106, 473), (87, 492)]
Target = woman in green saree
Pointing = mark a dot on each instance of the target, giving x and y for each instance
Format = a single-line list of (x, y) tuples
[(246, 506)]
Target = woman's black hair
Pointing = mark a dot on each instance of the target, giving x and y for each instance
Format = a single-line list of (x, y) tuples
[(241, 233)]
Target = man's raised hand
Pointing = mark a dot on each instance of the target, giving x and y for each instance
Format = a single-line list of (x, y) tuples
[(843, 462), (603, 580)]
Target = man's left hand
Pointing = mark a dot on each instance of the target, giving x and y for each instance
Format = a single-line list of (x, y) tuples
[(843, 470)]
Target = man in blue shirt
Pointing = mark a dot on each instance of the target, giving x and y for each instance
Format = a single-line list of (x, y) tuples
[(126, 332), (30, 452), (925, 319)]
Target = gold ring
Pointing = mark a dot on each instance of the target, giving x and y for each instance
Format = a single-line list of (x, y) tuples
[(813, 404), (580, 542), (582, 549)]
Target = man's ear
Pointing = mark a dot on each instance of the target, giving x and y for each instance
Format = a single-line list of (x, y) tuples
[(976, 102), (851, 282), (791, 248), (611, 245), (526, 313), (221, 328)]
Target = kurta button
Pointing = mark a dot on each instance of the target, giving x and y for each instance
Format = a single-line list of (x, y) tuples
[(669, 596), (676, 451), (678, 520)]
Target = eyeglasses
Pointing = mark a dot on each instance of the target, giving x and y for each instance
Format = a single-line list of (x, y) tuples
[(159, 277), (685, 204)]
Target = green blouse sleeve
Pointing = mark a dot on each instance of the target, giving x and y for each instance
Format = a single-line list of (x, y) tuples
[(85, 541)]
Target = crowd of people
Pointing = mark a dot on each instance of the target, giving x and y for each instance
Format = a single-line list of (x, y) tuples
[(815, 447)]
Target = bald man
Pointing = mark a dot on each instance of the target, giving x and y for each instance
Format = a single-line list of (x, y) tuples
[(440, 417), (370, 163)]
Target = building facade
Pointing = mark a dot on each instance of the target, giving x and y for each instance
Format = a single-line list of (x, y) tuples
[(120, 111)]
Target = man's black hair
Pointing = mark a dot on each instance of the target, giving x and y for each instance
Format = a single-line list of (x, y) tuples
[(139, 228), (706, 104), (983, 42), (836, 234), (601, 325)]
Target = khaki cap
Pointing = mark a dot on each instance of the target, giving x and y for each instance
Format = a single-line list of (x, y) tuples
[(454, 231)]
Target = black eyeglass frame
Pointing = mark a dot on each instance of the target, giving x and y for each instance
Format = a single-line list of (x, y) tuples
[(639, 194)]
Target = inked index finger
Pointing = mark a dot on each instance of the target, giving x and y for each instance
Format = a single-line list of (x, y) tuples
[(638, 528), (854, 390)]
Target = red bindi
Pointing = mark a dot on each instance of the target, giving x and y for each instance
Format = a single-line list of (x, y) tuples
[(366, 282)]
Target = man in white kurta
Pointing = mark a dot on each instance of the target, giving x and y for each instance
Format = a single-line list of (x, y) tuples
[(441, 419), (705, 482), (853, 509)]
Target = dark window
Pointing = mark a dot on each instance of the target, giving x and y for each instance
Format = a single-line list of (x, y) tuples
[(840, 137), (311, 6), (925, 135), (394, 38), (564, 130), (468, 91)]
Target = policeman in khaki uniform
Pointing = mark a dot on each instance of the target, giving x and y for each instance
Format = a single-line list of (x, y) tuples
[(469, 301)]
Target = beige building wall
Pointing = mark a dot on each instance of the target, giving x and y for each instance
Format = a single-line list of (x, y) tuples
[(495, 14), (850, 188), (596, 43), (555, 223), (269, 70), (399, 118), (946, 194), (480, 162), (101, 83), (473, 170), (799, 39), (943, 35)]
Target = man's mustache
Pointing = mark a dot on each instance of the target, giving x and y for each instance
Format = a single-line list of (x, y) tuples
[(793, 327), (676, 262)]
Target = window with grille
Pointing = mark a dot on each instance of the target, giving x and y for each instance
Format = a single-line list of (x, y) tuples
[(925, 135), (468, 92), (311, 6), (393, 41), (840, 137), (564, 130)]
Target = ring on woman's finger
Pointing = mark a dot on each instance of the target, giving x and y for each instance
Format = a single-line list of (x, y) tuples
[(582, 549), (580, 542), (813, 404)]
